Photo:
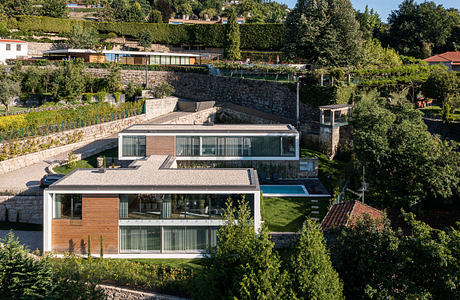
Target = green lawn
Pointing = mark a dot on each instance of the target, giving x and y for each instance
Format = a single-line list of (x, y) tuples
[(332, 173), (288, 214), (89, 162)]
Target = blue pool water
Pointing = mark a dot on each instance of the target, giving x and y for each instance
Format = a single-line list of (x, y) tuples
[(284, 190)]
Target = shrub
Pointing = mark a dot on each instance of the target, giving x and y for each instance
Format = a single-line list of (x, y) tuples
[(164, 90), (253, 36)]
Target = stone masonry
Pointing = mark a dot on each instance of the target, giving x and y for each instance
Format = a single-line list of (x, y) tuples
[(266, 96)]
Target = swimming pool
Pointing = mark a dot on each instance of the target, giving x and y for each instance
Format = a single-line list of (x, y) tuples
[(284, 191)]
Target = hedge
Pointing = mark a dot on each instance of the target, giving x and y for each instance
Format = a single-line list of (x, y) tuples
[(253, 36)]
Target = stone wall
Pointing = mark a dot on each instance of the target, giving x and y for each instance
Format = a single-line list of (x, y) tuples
[(89, 134), (266, 96), (116, 293), (29, 209), (283, 240), (36, 49)]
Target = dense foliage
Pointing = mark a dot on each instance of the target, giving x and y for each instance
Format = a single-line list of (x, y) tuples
[(253, 36), (82, 38), (24, 276), (312, 274), (323, 33), (418, 29), (244, 265), (78, 117), (376, 262), (391, 141)]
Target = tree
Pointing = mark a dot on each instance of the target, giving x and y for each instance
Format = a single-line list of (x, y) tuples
[(145, 39), (376, 55), (312, 274), (54, 8), (68, 81), (165, 8), (244, 265), (22, 276), (17, 7), (208, 13), (9, 89), (155, 16), (441, 85), (32, 82), (418, 28), (232, 48), (367, 259), (82, 37), (377, 262), (113, 79), (369, 23), (392, 142), (323, 32)]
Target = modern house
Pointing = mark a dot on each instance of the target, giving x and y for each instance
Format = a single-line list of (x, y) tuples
[(125, 57), (449, 59), (210, 142), (12, 49), (150, 209)]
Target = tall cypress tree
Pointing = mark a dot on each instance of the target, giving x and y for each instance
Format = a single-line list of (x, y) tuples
[(323, 32), (312, 274), (232, 49)]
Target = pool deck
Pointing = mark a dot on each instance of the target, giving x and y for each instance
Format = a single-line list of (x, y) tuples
[(313, 185)]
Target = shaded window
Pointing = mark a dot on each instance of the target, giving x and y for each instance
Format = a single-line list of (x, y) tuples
[(67, 206), (140, 239), (288, 143), (8, 47), (177, 206), (133, 146), (18, 47), (266, 146), (186, 238), (209, 146)]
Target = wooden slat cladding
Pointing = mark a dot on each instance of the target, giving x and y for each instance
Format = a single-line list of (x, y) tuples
[(99, 216), (160, 145)]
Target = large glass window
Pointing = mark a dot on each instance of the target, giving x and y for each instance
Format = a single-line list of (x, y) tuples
[(133, 146), (184, 60), (194, 238), (177, 206), (67, 206), (256, 146), (209, 146), (140, 239), (187, 146)]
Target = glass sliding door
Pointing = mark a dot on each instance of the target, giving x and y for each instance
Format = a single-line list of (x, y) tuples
[(138, 239)]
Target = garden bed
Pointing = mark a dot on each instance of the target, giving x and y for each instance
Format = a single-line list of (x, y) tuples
[(89, 162)]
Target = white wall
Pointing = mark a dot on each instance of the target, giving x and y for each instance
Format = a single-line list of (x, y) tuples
[(13, 53)]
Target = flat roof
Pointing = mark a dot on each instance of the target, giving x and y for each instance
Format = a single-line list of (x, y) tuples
[(11, 41), (138, 53), (209, 128), (154, 173)]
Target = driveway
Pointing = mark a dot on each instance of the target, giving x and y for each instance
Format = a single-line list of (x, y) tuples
[(32, 239)]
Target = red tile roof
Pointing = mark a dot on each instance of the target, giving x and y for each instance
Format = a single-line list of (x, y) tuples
[(445, 57), (11, 41), (347, 213)]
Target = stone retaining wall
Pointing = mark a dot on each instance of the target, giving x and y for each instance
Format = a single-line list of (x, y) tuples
[(284, 240), (89, 134), (29, 209), (116, 293), (267, 96)]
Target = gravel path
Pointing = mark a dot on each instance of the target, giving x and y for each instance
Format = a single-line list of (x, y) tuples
[(32, 239)]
